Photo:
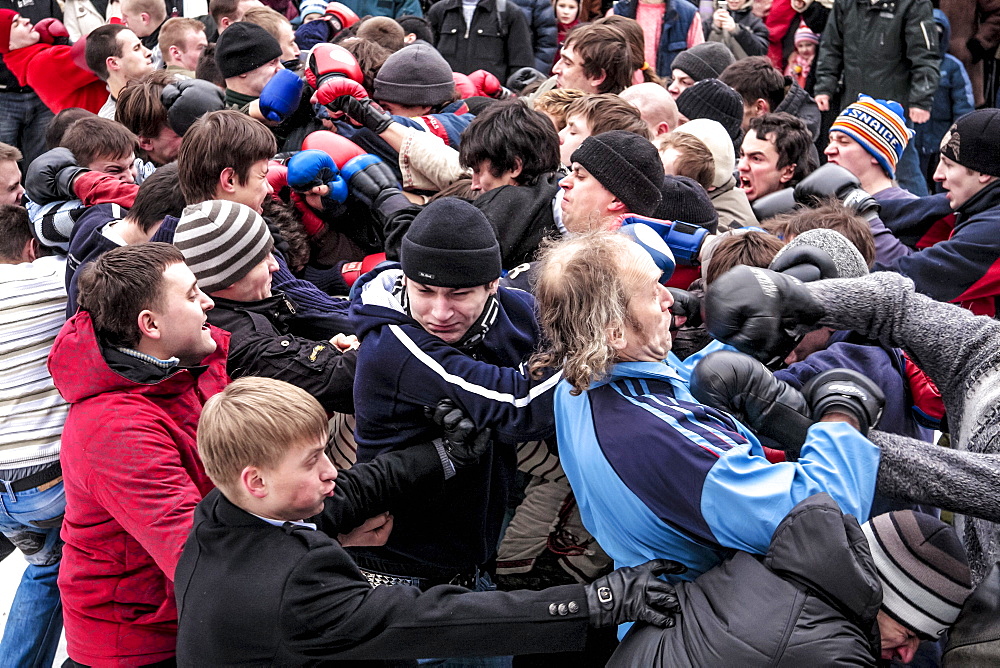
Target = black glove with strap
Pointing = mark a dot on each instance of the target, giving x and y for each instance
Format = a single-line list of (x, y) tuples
[(828, 181), (761, 312), (50, 176), (462, 442), (635, 594), (744, 388), (845, 391)]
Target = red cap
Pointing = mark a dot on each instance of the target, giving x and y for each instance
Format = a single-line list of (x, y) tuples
[(7, 17)]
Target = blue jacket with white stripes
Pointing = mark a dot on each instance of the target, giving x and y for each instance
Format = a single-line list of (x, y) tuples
[(401, 369), (658, 475)]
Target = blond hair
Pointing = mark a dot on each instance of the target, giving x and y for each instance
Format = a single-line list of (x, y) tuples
[(694, 160), (268, 19), (583, 296), (175, 31), (554, 103), (254, 422)]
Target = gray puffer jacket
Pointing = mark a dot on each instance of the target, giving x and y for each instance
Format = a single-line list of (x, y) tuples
[(961, 354), (811, 601)]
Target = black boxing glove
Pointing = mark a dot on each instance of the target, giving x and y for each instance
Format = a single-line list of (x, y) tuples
[(830, 180), (188, 100), (774, 204), (806, 263), (761, 312), (634, 594), (845, 391), (742, 387), (686, 304), (50, 176), (862, 204), (523, 78)]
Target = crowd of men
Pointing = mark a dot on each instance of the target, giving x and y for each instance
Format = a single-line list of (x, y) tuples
[(331, 332)]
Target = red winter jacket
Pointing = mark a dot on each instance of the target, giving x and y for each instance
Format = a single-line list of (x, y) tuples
[(56, 79), (132, 478)]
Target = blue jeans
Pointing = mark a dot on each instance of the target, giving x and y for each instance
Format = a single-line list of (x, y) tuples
[(31, 519), (908, 172), (23, 121)]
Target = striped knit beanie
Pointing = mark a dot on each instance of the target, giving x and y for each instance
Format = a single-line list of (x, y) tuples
[(923, 570), (221, 242), (879, 127), (804, 34)]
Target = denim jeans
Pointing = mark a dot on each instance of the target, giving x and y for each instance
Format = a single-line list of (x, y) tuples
[(908, 172), (32, 519), (23, 121)]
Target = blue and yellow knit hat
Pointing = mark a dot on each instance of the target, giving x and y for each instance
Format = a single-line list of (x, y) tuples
[(879, 127)]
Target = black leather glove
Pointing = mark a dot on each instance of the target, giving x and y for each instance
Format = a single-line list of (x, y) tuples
[(50, 176), (976, 49), (364, 112), (634, 594), (845, 391), (741, 386), (774, 204), (462, 443), (761, 312), (188, 100), (686, 304), (828, 181)]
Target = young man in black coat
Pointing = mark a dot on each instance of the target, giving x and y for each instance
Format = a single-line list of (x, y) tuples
[(263, 579)]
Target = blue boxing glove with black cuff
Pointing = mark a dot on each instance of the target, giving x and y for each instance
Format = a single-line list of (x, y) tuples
[(311, 168)]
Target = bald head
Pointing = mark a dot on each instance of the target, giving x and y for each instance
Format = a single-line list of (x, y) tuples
[(655, 104)]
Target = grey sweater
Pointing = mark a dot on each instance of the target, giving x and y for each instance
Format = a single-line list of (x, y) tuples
[(961, 354)]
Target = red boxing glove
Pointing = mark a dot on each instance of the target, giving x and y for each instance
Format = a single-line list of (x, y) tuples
[(352, 271), (329, 61), (51, 29), (488, 85), (78, 53), (335, 87), (277, 176), (341, 149), (464, 85), (343, 14)]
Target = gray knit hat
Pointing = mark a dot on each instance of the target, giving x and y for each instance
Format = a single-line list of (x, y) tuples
[(704, 61), (627, 165), (415, 75), (923, 569), (221, 242)]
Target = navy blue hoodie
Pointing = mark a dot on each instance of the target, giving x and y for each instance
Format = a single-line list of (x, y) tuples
[(402, 368)]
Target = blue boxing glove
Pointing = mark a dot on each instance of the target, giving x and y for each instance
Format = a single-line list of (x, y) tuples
[(652, 243), (368, 177), (311, 168), (685, 240), (281, 96)]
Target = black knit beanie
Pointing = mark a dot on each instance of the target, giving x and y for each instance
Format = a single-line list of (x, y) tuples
[(415, 75), (715, 100), (704, 61), (685, 200), (974, 141), (627, 165), (450, 244), (244, 47)]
